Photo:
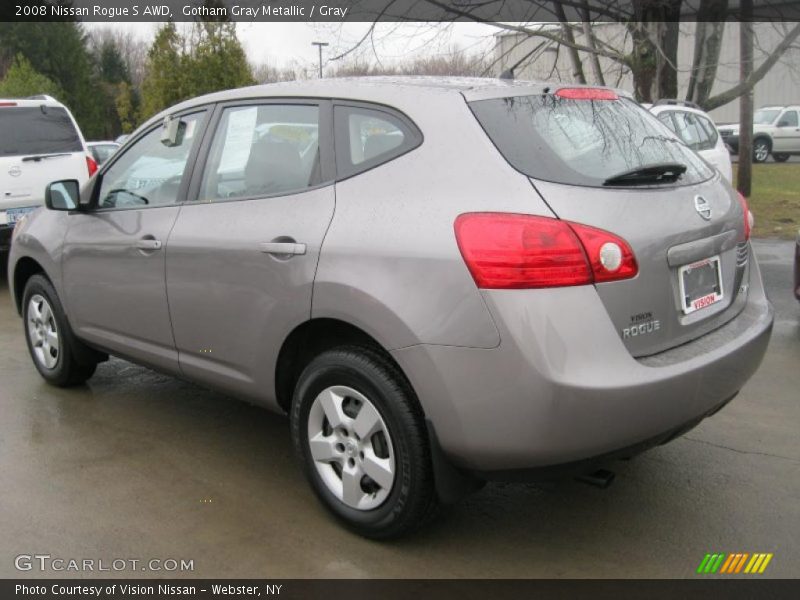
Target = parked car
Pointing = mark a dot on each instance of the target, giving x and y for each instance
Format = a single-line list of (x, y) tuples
[(776, 131), (797, 267), (40, 142), (696, 128), (102, 151), (121, 139), (471, 280)]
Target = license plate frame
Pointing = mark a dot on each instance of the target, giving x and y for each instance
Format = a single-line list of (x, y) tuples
[(700, 284), (15, 214)]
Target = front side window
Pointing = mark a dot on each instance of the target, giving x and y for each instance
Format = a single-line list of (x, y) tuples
[(261, 150), (711, 131), (588, 142), (150, 172), (368, 137), (788, 119), (766, 116), (37, 130)]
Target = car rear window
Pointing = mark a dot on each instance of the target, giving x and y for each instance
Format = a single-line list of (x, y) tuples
[(582, 141), (37, 130)]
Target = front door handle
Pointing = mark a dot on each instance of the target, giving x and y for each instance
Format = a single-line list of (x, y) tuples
[(285, 248), (148, 243)]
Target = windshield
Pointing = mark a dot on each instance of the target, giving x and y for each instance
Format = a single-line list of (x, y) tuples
[(583, 142), (765, 116), (37, 130)]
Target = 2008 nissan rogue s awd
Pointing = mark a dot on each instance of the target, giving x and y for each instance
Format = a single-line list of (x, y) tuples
[(440, 280)]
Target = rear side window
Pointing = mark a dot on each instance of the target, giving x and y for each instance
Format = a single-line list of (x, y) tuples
[(261, 150), (580, 141), (367, 137), (37, 130)]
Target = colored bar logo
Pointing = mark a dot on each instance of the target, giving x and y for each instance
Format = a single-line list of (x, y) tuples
[(735, 563)]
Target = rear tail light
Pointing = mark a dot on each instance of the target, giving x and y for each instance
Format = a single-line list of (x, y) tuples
[(749, 221), (8, 103), (91, 164), (513, 251), (587, 94)]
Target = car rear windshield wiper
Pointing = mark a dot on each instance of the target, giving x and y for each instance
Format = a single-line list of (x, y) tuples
[(38, 157), (664, 173)]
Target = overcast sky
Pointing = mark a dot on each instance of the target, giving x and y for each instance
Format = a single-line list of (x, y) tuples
[(289, 44)]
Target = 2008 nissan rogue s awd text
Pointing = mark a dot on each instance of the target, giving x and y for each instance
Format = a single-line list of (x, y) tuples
[(441, 281)]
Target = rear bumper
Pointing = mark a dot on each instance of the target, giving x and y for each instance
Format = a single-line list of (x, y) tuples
[(562, 389)]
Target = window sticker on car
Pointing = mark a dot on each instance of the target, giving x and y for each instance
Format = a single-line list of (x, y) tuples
[(239, 138)]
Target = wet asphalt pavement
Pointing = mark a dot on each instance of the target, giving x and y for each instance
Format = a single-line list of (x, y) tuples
[(137, 465)]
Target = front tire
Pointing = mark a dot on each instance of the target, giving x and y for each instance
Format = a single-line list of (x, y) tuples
[(780, 157), (51, 342), (761, 150), (360, 434)]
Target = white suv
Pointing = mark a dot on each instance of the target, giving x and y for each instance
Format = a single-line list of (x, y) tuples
[(40, 142), (697, 130), (776, 131)]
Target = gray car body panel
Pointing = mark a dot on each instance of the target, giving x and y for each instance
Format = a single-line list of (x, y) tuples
[(508, 378)]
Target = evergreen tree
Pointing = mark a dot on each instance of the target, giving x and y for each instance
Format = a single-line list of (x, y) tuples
[(218, 61), (58, 51), (163, 84), (22, 79)]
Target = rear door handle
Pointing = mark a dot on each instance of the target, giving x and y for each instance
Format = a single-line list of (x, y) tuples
[(289, 248), (148, 244)]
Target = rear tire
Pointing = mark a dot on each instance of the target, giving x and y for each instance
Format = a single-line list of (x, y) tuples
[(368, 460), (51, 343), (780, 157), (761, 150)]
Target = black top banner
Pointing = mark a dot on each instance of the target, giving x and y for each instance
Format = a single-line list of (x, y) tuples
[(525, 11)]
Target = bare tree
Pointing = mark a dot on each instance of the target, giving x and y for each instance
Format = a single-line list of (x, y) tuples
[(132, 48), (648, 51)]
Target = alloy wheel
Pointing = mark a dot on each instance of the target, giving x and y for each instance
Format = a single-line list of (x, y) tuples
[(43, 332), (351, 447)]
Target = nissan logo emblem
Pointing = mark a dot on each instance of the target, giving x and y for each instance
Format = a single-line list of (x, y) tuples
[(702, 207), (15, 171)]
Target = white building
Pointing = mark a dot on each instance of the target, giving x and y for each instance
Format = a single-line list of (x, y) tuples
[(781, 85)]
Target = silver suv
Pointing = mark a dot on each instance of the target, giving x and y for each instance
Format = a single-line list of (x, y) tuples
[(776, 131), (441, 282)]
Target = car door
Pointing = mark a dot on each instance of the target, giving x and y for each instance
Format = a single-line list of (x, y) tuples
[(113, 262), (242, 256), (786, 135)]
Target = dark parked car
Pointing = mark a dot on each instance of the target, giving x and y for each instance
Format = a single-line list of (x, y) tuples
[(797, 267)]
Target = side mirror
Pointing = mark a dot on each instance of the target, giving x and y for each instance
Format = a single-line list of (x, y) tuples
[(172, 132), (783, 123), (62, 195)]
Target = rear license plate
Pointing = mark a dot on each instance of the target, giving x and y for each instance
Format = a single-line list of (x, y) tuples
[(700, 284), (15, 214)]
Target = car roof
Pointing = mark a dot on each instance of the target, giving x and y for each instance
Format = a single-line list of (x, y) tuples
[(377, 89), (659, 108)]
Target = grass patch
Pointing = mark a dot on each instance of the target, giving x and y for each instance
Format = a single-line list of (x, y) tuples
[(775, 199)]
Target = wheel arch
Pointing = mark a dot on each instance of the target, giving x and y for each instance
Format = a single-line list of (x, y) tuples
[(25, 268), (308, 340), (763, 136)]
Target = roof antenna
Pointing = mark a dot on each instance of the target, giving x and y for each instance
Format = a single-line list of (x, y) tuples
[(508, 74)]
